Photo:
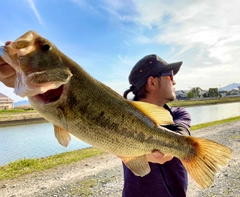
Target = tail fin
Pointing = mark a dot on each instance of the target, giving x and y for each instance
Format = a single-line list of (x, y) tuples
[(207, 161)]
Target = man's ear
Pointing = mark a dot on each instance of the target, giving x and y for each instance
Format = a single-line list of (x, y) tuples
[(151, 83)]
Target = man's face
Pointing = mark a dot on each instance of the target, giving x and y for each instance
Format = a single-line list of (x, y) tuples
[(166, 88)]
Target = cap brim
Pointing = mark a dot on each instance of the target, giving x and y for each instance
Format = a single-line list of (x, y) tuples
[(173, 66)]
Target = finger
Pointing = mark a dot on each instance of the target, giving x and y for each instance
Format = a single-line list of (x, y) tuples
[(6, 71), (157, 154), (167, 158), (1, 61), (7, 74), (160, 158), (154, 157), (10, 81)]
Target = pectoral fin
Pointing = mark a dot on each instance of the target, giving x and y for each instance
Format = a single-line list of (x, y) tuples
[(62, 118), (158, 114), (138, 165), (62, 136)]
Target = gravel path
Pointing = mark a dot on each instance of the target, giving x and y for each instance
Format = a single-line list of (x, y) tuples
[(101, 176)]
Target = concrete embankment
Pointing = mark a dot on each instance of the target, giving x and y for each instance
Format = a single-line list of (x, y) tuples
[(20, 119)]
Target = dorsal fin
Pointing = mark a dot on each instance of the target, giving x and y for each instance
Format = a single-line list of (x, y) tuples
[(159, 115)]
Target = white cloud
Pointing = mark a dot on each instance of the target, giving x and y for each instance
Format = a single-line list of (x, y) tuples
[(198, 32), (126, 42), (84, 5), (114, 5), (32, 5)]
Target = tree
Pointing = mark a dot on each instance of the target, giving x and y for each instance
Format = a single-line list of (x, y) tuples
[(196, 92), (190, 94), (213, 92)]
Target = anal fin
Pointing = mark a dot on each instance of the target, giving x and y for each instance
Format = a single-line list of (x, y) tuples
[(138, 165)]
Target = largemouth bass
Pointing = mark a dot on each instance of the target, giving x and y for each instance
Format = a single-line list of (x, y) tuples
[(74, 102)]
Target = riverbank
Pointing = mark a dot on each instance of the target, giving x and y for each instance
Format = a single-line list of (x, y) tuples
[(102, 175), (20, 118), (204, 101)]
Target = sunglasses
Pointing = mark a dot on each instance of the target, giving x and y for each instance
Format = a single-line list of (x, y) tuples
[(169, 75)]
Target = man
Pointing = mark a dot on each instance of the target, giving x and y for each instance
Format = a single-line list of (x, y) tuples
[(152, 81)]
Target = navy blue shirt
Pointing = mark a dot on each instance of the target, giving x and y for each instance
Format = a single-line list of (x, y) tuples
[(165, 180)]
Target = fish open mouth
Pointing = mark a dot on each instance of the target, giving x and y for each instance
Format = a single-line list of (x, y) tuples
[(51, 95)]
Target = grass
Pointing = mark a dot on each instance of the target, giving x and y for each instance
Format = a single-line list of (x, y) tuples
[(209, 124), (15, 111), (25, 166), (84, 188), (187, 103)]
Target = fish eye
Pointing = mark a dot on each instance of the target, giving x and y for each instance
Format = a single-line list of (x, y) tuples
[(45, 47)]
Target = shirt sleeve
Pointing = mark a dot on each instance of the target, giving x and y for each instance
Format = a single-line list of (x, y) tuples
[(182, 117)]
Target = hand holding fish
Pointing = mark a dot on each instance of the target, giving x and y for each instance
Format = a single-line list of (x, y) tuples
[(7, 74), (158, 157)]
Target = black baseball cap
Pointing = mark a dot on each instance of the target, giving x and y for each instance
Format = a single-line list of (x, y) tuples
[(150, 65)]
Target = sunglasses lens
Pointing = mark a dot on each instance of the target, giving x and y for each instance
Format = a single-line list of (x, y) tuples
[(170, 77)]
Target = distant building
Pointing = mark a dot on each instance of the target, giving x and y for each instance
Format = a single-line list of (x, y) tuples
[(234, 91), (223, 93), (181, 94), (5, 102)]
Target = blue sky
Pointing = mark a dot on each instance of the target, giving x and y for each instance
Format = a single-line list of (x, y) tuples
[(107, 37)]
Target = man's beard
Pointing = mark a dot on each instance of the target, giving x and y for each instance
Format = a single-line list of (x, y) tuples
[(172, 98)]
